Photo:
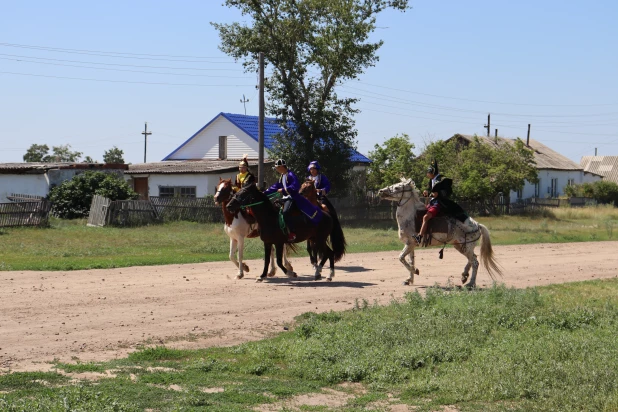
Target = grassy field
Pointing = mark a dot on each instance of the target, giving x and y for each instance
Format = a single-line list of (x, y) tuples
[(68, 245), (544, 349)]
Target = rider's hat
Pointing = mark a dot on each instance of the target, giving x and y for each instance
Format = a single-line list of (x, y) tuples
[(433, 168), (313, 165), (280, 162), (244, 162)]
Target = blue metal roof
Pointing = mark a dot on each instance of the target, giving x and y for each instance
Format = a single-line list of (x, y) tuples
[(249, 125)]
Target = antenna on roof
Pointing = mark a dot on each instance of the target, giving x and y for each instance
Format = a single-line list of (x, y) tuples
[(244, 101)]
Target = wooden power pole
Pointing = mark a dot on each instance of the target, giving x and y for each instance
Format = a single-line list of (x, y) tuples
[(488, 125), (261, 125), (145, 133)]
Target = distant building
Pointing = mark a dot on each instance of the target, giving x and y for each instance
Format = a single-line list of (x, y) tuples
[(36, 179), (555, 171), (606, 166)]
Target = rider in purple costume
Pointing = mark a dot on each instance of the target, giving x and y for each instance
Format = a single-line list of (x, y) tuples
[(288, 185), (321, 181)]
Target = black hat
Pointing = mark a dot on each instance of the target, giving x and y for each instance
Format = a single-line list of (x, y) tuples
[(433, 168), (280, 162)]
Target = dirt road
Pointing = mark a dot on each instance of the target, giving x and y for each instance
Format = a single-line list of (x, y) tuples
[(104, 314)]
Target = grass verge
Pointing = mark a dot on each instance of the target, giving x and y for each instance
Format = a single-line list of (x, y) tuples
[(548, 348)]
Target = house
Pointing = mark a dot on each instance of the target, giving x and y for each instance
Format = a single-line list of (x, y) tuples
[(555, 171), (606, 166), (36, 179), (193, 168)]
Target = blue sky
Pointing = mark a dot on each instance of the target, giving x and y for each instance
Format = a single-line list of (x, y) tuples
[(444, 66)]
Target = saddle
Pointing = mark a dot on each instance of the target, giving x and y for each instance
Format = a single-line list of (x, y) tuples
[(438, 224)]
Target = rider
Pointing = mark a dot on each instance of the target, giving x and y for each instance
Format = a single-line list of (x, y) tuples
[(288, 186), (321, 181), (440, 189), (245, 176)]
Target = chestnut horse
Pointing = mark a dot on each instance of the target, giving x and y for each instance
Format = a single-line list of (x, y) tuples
[(309, 191), (239, 226), (267, 217)]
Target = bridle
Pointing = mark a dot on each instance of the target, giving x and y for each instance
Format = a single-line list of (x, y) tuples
[(399, 203)]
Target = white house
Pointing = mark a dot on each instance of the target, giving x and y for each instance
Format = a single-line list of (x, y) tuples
[(193, 169), (555, 171), (37, 179)]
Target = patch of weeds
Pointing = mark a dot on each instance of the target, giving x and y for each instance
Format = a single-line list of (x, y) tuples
[(158, 353), (28, 380), (81, 367)]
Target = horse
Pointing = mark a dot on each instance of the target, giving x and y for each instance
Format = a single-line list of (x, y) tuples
[(309, 191), (238, 226), (267, 217), (462, 235)]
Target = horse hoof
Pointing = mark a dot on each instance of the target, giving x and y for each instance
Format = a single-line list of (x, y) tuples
[(245, 267), (291, 274), (407, 282), (418, 272), (271, 275), (318, 278), (239, 277), (329, 279), (259, 280), (464, 278)]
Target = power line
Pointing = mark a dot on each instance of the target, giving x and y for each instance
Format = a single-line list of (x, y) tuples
[(488, 101), (118, 55), (121, 70), (117, 64), (126, 81)]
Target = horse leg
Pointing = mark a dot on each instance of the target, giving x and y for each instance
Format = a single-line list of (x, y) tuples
[(472, 260), (289, 273), (408, 249), (331, 260), (273, 267), (233, 248), (472, 263), (286, 262), (312, 258), (241, 266), (267, 249)]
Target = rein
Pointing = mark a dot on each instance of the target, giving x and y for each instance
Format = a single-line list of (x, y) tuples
[(271, 196), (401, 199)]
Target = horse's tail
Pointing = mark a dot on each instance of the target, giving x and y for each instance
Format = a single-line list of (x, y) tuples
[(337, 238), (487, 254), (291, 248)]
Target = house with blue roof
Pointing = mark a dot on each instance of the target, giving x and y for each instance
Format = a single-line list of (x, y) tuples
[(193, 168)]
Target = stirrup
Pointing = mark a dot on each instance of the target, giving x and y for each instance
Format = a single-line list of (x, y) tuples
[(418, 239)]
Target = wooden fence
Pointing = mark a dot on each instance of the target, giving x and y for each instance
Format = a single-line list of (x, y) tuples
[(25, 213), (190, 209)]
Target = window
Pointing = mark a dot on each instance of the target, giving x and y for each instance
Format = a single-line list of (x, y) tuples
[(554, 187), (222, 147), (537, 189), (570, 182), (177, 191), (520, 193)]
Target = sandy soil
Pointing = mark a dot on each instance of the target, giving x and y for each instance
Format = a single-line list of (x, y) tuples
[(104, 314)]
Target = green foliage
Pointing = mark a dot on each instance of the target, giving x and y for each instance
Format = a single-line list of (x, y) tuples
[(312, 47), (479, 170), (391, 161), (73, 197), (88, 159), (36, 153), (113, 155), (602, 191), (62, 153)]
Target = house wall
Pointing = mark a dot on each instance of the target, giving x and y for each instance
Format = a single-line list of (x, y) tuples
[(545, 176), (205, 184), (205, 145), (28, 184)]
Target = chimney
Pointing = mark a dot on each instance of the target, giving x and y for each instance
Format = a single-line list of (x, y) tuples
[(528, 138)]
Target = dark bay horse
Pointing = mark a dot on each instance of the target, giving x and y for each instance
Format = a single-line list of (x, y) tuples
[(267, 217)]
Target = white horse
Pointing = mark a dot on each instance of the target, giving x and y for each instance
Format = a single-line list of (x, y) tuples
[(462, 235), (238, 228)]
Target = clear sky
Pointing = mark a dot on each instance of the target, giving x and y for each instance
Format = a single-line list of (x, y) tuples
[(444, 66)]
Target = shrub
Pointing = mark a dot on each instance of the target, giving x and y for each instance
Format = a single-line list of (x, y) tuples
[(73, 197)]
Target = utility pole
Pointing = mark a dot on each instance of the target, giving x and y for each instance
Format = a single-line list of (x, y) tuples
[(488, 125), (528, 138), (244, 101), (261, 125), (145, 133), (496, 136)]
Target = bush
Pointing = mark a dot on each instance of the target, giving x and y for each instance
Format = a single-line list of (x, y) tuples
[(72, 198), (602, 191)]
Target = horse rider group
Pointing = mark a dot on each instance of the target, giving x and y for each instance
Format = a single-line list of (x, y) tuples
[(288, 186)]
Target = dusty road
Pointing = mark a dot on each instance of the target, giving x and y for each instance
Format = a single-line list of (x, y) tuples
[(104, 314)]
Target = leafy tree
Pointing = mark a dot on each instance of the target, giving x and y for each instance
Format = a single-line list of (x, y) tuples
[(312, 47), (113, 155), (88, 159), (391, 161), (73, 197), (602, 191), (479, 170), (36, 153)]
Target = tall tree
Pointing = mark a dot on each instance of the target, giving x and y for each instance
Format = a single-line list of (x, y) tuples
[(36, 153), (113, 155), (391, 161), (63, 154), (88, 159), (312, 46)]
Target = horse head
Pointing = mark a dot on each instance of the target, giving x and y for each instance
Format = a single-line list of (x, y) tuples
[(223, 191), (406, 189), (247, 195), (308, 189)]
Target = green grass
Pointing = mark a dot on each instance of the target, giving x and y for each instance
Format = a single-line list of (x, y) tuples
[(69, 245), (544, 349)]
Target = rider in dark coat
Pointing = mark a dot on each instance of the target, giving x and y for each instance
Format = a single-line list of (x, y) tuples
[(440, 189), (322, 183)]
